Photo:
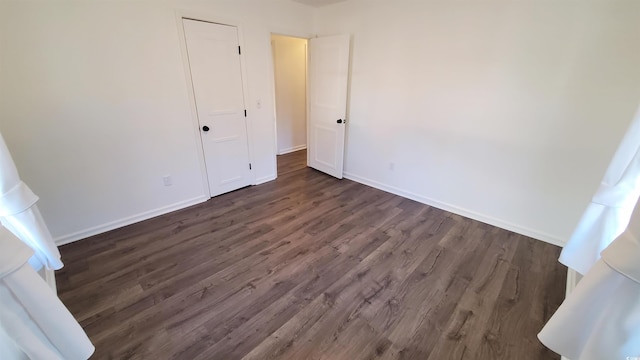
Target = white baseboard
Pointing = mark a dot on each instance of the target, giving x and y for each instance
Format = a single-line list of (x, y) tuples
[(265, 179), (292, 149), (82, 234), (539, 235)]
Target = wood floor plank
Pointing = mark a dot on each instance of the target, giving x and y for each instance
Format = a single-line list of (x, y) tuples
[(359, 287), (426, 301), (468, 315), (226, 343), (311, 267)]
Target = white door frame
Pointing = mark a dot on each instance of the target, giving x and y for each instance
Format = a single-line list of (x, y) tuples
[(306, 84), (208, 17), (273, 90)]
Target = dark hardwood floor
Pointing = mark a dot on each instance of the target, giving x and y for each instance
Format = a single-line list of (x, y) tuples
[(291, 162), (311, 267)]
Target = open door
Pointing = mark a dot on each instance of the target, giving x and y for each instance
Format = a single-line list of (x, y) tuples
[(328, 75)]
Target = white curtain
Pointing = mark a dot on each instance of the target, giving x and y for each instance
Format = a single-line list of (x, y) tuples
[(19, 213), (600, 319), (608, 214), (34, 324)]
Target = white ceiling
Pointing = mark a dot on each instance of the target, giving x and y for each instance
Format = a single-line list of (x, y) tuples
[(318, 3)]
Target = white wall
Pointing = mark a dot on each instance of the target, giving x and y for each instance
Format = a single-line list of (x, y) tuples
[(504, 111), (290, 73), (95, 109)]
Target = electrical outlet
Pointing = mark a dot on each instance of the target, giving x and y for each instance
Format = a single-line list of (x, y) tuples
[(259, 103), (392, 166), (167, 180)]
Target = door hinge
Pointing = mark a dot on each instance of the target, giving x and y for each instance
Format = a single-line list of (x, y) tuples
[(245, 112), (249, 166), (239, 50)]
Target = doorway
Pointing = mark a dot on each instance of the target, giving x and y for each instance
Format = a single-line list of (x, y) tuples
[(326, 62), (290, 82)]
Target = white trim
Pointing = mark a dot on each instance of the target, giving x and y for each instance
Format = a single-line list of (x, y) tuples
[(291, 33), (292, 149), (112, 225), (265, 179), (272, 89), (274, 97), (181, 14), (307, 98), (539, 235), (247, 100), (182, 44)]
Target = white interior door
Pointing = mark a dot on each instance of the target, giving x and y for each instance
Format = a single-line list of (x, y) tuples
[(216, 75), (328, 75)]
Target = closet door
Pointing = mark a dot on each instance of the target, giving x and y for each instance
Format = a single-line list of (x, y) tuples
[(214, 60)]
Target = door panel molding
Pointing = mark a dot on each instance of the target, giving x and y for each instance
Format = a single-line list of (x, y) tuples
[(200, 15), (329, 59), (218, 89)]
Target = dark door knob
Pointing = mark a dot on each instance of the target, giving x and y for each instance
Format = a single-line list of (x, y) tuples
[(205, 128), (339, 121)]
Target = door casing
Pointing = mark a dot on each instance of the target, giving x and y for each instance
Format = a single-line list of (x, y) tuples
[(272, 78), (221, 20)]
